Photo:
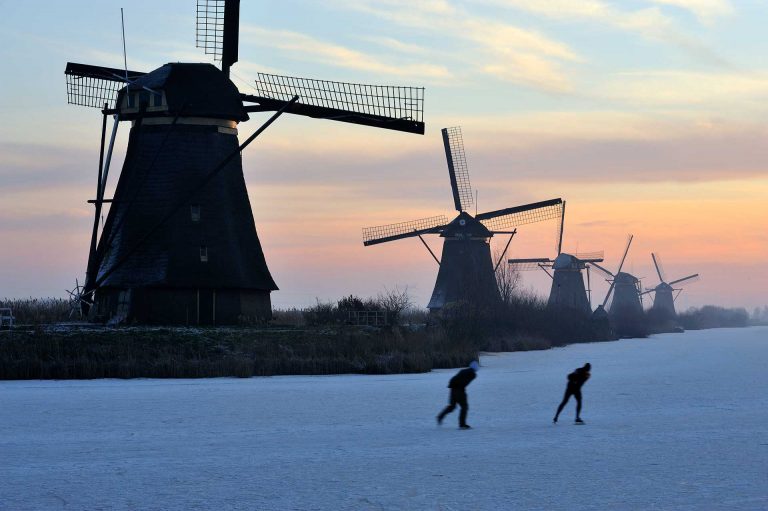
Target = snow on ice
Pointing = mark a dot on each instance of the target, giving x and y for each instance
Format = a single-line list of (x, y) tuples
[(677, 421)]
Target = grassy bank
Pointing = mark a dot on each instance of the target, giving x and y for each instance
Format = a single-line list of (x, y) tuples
[(85, 353)]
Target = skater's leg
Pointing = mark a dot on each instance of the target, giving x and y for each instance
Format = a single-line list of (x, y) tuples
[(577, 395), (448, 409), (562, 403), (462, 400)]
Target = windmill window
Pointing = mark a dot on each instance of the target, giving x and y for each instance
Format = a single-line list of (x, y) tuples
[(194, 212), (157, 99), (131, 100), (203, 254)]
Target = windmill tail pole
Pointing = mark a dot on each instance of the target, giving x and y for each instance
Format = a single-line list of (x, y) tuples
[(501, 258), (92, 251), (193, 191), (90, 271), (429, 249)]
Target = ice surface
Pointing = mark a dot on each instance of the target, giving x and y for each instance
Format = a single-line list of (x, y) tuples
[(677, 421)]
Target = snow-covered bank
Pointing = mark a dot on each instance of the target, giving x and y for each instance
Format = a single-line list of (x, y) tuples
[(677, 421)]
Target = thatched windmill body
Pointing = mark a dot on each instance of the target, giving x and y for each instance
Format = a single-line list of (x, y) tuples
[(179, 244), (466, 269), (625, 310), (664, 293), (568, 291)]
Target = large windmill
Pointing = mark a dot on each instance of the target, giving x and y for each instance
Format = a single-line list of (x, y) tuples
[(625, 310), (467, 271), (663, 299), (567, 291), (179, 244)]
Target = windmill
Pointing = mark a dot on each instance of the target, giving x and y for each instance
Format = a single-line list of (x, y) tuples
[(179, 244), (467, 271), (663, 300), (625, 310), (568, 291)]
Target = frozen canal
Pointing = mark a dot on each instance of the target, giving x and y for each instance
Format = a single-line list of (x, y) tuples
[(676, 421)]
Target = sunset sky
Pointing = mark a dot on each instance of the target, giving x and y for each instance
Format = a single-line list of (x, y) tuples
[(648, 117)]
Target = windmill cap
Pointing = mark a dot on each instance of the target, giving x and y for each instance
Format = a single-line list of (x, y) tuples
[(474, 365), (587, 366)]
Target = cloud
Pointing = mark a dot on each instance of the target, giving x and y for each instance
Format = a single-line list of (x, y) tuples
[(707, 11), (745, 91), (30, 166), (650, 22), (307, 48), (504, 51), (397, 45)]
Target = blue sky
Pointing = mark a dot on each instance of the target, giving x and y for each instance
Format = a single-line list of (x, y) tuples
[(646, 116)]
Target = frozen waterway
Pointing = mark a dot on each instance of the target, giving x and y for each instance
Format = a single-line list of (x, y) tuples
[(677, 421)]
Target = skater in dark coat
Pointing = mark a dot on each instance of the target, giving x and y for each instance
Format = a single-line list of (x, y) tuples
[(575, 381), (458, 385)]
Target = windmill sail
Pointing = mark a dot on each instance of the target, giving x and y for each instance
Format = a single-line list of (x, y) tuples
[(381, 106), (691, 278), (520, 215), (96, 85), (217, 30), (457, 168), (606, 273), (529, 264), (391, 232), (659, 268)]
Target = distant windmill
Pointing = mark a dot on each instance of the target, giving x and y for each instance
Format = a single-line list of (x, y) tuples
[(663, 300), (467, 271), (179, 244), (568, 291), (625, 310)]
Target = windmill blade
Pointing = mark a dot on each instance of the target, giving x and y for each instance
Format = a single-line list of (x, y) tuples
[(659, 268), (608, 296), (391, 232), (626, 250), (457, 168), (693, 278), (95, 85), (607, 274), (380, 106), (519, 215), (589, 257), (529, 264), (217, 30)]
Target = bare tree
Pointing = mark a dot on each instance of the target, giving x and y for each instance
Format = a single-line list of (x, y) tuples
[(507, 279), (394, 301)]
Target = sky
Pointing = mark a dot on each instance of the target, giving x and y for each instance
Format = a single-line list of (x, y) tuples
[(647, 117)]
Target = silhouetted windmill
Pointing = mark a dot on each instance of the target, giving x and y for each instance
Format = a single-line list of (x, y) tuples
[(568, 291), (467, 271), (625, 310), (179, 244), (663, 299)]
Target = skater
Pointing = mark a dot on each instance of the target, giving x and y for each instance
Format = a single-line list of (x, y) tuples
[(458, 384), (575, 380)]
